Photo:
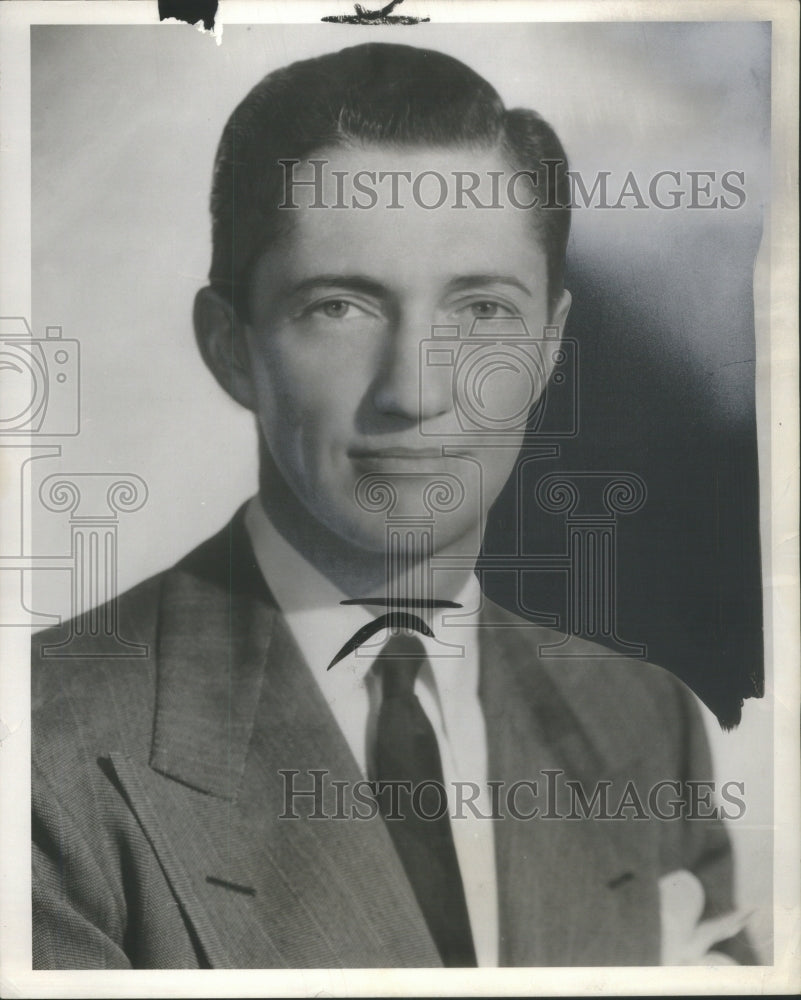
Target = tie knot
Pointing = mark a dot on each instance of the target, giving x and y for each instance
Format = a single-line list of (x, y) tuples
[(400, 660)]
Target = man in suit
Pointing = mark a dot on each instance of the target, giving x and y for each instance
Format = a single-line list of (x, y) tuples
[(210, 805)]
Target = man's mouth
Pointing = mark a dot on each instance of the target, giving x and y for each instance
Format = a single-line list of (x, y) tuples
[(402, 456), (389, 453)]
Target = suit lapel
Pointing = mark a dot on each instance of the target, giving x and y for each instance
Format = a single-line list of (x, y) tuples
[(236, 706), (575, 892)]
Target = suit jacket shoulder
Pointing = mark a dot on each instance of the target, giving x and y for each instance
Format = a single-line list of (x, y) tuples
[(624, 705)]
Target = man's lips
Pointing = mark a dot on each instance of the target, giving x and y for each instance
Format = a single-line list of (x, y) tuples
[(433, 459), (377, 454)]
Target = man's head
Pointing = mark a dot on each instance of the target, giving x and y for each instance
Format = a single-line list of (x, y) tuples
[(394, 95), (317, 318)]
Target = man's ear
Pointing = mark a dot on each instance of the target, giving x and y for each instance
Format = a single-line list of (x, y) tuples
[(220, 337), (562, 308)]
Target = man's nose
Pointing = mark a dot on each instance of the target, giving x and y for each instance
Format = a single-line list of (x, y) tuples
[(408, 386)]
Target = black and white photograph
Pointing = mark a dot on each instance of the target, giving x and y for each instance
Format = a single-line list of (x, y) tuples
[(399, 551)]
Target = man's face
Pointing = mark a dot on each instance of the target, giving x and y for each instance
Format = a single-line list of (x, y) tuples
[(340, 313)]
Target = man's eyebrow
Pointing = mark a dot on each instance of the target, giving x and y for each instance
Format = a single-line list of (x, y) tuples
[(350, 282), (486, 278)]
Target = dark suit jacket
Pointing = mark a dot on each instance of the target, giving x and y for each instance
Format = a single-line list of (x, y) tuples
[(157, 841)]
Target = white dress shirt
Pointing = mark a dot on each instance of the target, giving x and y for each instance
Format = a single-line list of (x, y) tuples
[(446, 686)]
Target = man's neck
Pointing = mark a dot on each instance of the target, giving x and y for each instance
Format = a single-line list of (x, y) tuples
[(356, 571)]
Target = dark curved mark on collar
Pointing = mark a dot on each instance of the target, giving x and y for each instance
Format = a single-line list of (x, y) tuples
[(395, 619)]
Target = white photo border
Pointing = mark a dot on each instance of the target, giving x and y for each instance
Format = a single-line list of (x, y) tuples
[(777, 410)]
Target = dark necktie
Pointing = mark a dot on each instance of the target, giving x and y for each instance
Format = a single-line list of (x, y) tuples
[(407, 751)]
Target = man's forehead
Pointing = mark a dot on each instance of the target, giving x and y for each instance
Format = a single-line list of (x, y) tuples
[(408, 255), (389, 212)]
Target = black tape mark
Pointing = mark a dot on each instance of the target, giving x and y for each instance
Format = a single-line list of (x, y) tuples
[(190, 11), (380, 16)]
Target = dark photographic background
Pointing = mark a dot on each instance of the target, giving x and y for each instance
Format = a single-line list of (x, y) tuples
[(688, 562)]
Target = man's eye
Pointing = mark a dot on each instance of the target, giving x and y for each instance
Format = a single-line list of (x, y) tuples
[(334, 308), (488, 309), (339, 309)]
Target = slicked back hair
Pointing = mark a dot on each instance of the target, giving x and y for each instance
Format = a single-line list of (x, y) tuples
[(396, 95)]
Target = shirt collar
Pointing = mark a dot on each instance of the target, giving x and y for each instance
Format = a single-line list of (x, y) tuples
[(318, 620)]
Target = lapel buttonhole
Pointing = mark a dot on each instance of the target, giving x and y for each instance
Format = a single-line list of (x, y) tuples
[(246, 890), (619, 880)]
